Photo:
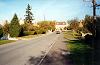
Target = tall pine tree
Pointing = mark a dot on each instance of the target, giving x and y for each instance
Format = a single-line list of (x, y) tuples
[(14, 27), (29, 15)]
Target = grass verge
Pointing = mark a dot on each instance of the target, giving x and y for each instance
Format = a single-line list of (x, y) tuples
[(6, 41), (28, 36), (68, 35), (81, 54)]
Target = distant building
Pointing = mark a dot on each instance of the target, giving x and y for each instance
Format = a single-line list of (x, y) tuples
[(61, 25), (35, 24), (81, 23), (21, 21)]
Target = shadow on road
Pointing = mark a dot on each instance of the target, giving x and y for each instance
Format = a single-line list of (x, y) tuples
[(54, 58)]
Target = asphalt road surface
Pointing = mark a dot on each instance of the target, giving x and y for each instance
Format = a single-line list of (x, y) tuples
[(20, 52)]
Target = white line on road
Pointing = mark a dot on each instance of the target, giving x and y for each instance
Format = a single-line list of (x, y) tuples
[(46, 52)]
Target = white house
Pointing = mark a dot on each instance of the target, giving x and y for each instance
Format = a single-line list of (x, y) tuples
[(61, 25)]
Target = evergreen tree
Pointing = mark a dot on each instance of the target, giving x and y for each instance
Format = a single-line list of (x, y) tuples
[(29, 15), (14, 27), (1, 31)]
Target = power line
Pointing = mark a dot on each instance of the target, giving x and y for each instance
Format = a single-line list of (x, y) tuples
[(94, 5)]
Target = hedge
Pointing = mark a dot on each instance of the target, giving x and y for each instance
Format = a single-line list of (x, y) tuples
[(29, 32)]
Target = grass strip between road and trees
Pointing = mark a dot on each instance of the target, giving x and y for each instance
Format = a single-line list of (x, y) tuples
[(81, 54), (6, 41), (29, 36)]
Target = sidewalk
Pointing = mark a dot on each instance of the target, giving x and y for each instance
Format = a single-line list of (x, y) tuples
[(55, 55)]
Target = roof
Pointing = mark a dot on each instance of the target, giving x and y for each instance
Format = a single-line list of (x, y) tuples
[(0, 25), (60, 23)]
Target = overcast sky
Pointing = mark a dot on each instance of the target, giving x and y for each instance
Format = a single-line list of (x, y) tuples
[(60, 10)]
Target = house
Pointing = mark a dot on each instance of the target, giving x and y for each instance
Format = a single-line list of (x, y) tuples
[(21, 21), (81, 23), (61, 25)]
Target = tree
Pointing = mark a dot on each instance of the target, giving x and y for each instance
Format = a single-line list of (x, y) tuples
[(29, 15), (14, 27), (48, 25), (6, 28), (27, 27), (1, 31), (74, 24), (88, 24), (65, 28), (21, 30), (44, 24), (52, 25)]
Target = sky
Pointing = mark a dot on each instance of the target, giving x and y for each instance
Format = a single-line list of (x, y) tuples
[(59, 10)]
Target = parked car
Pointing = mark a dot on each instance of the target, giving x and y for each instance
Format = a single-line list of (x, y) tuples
[(57, 32)]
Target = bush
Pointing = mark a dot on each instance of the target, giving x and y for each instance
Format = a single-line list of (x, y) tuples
[(41, 31), (78, 35), (1, 32), (89, 40), (6, 28), (29, 32), (69, 28), (21, 31)]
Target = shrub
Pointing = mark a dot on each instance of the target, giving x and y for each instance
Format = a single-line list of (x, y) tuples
[(29, 32), (1, 32), (69, 28), (48, 25), (21, 31), (41, 31), (6, 28), (35, 32), (89, 40)]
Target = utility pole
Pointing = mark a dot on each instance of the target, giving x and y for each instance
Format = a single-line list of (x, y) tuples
[(94, 9), (94, 13), (94, 18), (96, 28), (96, 54), (44, 17)]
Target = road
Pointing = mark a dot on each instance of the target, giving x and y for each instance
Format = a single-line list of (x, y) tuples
[(58, 54), (20, 52)]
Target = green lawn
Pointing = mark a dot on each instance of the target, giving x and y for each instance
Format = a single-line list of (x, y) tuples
[(6, 41), (68, 35), (81, 53)]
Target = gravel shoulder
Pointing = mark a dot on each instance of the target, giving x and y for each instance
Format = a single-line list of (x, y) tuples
[(56, 54)]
